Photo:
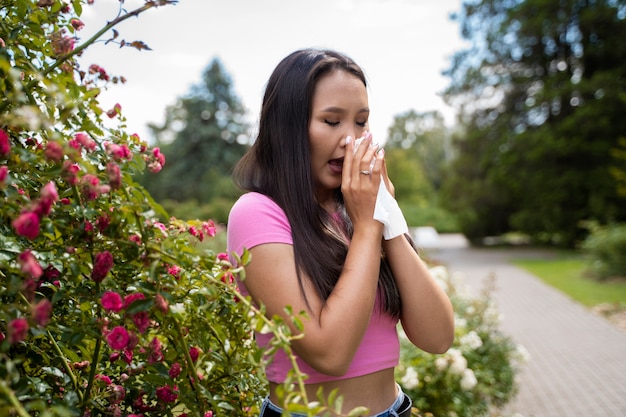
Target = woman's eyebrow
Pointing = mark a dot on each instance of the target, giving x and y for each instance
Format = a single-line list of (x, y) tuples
[(334, 109)]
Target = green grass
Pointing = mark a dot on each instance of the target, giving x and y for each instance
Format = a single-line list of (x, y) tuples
[(567, 275)]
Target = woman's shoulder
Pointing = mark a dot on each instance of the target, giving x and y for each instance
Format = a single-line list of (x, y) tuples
[(257, 210), (255, 202), (254, 219)]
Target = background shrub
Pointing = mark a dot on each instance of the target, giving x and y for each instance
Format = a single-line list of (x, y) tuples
[(477, 374), (605, 250)]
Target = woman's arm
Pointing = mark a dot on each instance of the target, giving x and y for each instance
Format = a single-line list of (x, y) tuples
[(427, 316)]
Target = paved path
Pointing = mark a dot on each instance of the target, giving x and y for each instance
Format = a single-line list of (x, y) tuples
[(578, 359)]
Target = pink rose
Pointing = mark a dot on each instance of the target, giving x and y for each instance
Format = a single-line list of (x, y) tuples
[(175, 370), (41, 312), (54, 151), (130, 298), (96, 69), (118, 338), (156, 160), (4, 173), (114, 174), (112, 301), (61, 44), (174, 270), (194, 352), (17, 330), (49, 196), (103, 378), (102, 265), (209, 228), (69, 172), (167, 394), (90, 186), (77, 24), (27, 225), (5, 143), (156, 355), (116, 393), (161, 303), (29, 264), (117, 109), (119, 152), (49, 192), (85, 141), (142, 321)]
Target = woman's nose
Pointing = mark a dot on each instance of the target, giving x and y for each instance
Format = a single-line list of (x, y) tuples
[(354, 133)]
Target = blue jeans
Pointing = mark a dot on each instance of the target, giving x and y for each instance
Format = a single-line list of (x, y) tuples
[(392, 411)]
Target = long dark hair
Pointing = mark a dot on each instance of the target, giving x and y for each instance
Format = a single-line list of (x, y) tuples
[(278, 165)]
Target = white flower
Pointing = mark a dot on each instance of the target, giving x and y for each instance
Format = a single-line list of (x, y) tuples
[(468, 380), (440, 273), (521, 355), (460, 322), (441, 363), (492, 315), (472, 340), (178, 308), (410, 379), (458, 362)]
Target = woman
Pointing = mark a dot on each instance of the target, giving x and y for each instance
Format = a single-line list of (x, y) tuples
[(307, 220)]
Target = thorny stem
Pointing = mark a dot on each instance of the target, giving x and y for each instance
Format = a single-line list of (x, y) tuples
[(281, 337), (191, 374), (17, 407), (57, 349), (66, 365), (94, 363), (106, 28)]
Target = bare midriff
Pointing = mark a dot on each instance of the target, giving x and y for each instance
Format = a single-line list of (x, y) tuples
[(376, 391)]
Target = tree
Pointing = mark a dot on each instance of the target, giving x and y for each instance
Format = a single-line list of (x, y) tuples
[(426, 136), (540, 93), (204, 135)]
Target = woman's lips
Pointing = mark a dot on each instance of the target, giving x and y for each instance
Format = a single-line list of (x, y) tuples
[(336, 165)]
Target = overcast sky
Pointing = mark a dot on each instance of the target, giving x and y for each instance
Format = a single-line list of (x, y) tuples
[(402, 45)]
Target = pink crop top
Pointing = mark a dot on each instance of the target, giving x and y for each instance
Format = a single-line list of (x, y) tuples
[(255, 219)]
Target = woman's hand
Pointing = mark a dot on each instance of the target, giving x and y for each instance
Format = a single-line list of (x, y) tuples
[(362, 168)]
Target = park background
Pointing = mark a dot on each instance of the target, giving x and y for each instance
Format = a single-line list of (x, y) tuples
[(520, 142)]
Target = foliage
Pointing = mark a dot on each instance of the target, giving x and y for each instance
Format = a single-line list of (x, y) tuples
[(619, 169), (567, 273), (104, 310), (539, 93), (409, 181), (204, 135), (477, 375), (432, 215), (426, 137), (416, 162), (605, 249)]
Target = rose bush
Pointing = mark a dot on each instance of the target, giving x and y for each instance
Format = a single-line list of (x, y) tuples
[(108, 307), (477, 374)]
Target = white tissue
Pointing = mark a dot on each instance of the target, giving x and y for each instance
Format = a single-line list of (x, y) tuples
[(387, 211)]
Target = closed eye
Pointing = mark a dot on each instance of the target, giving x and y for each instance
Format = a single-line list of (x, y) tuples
[(328, 122)]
